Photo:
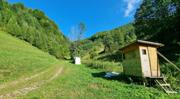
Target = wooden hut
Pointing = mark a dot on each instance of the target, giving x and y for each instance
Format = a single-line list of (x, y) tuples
[(140, 59)]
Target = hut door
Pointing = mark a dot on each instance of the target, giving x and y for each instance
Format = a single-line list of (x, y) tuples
[(145, 62)]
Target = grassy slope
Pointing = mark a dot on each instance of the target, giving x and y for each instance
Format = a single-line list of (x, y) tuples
[(78, 82), (19, 59)]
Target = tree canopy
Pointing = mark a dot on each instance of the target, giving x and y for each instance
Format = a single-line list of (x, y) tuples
[(158, 20)]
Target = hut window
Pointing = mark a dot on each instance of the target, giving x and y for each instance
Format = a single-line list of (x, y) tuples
[(143, 51)]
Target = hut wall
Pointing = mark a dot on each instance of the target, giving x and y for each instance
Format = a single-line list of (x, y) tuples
[(132, 64)]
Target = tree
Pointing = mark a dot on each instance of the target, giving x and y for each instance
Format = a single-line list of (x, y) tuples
[(155, 18), (108, 42), (78, 32), (13, 27), (159, 20), (81, 30)]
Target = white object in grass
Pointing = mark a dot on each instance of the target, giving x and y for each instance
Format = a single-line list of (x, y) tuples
[(77, 60), (111, 74)]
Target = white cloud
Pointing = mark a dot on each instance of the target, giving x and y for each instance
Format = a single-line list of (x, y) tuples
[(131, 5)]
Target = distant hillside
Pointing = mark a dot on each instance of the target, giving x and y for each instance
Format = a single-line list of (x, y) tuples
[(107, 42), (34, 27)]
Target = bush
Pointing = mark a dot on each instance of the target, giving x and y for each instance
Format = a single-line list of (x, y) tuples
[(105, 65), (173, 76)]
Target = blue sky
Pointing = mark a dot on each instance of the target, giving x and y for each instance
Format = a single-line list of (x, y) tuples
[(98, 15)]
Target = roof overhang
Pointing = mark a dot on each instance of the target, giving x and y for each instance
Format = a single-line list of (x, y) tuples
[(146, 43)]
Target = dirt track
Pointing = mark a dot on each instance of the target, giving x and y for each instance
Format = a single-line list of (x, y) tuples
[(30, 87)]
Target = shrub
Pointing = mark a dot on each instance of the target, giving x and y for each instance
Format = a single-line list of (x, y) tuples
[(105, 65)]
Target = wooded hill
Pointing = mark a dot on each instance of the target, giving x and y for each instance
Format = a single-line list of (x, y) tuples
[(107, 42), (33, 26)]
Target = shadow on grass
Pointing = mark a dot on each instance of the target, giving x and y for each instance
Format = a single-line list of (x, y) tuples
[(100, 74), (121, 77), (126, 79)]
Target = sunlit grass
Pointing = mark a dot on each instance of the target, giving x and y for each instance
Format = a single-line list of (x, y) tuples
[(20, 59), (80, 82), (104, 65)]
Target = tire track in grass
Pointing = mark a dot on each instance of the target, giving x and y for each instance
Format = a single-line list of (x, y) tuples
[(20, 80), (33, 86)]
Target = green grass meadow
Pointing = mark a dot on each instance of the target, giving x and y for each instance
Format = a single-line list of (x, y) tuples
[(80, 82), (20, 59)]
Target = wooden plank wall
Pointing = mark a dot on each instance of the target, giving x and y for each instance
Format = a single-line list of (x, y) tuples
[(132, 64), (155, 69)]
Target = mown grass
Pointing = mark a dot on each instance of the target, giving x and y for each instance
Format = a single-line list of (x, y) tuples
[(36, 79), (82, 82), (19, 59)]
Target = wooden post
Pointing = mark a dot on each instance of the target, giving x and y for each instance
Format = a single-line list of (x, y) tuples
[(168, 60)]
